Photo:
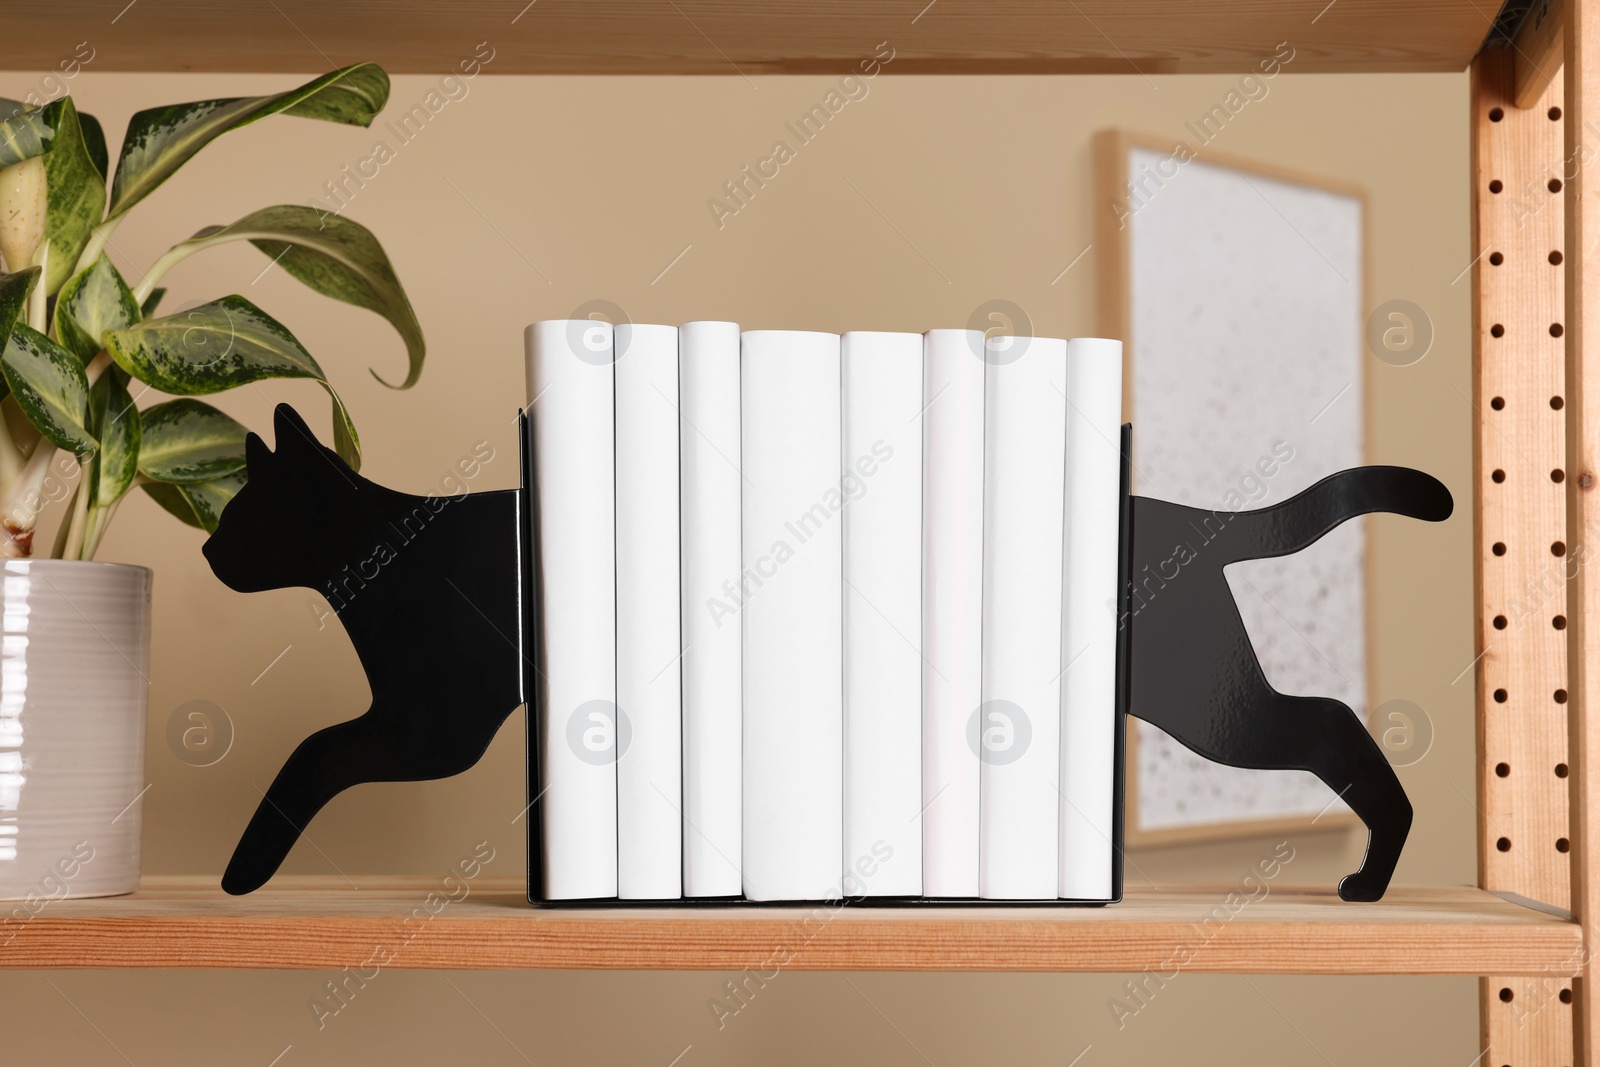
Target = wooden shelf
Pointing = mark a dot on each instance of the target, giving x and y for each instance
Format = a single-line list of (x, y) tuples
[(753, 36), (325, 924)]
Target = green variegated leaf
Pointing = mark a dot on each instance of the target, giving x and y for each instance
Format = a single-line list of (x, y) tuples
[(162, 139), (115, 422), (218, 346), (151, 302), (94, 143), (50, 387), (77, 192), (14, 290), (190, 441), (199, 503), (93, 301), (23, 132), (331, 254)]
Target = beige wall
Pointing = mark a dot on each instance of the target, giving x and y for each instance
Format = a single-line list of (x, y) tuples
[(931, 195)]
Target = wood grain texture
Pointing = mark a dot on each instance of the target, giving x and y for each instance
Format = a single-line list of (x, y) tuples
[(1582, 151), (324, 923), (1522, 728), (752, 36), (1538, 52)]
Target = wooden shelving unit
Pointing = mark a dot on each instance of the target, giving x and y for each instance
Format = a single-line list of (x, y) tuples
[(325, 923), (1532, 107)]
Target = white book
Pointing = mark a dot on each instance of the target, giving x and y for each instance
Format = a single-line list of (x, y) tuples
[(881, 477), (952, 607), (708, 380), (1089, 627), (1019, 728), (570, 383), (650, 739), (792, 615)]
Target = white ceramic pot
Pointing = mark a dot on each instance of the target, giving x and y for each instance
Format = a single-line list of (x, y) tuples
[(74, 685)]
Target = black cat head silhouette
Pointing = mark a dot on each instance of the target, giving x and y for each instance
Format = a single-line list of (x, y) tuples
[(267, 537), (425, 586)]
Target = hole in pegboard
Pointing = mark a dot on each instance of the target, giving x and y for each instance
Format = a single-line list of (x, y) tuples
[(1500, 696), (1566, 996), (1499, 622), (1559, 622), (1556, 329), (1558, 548), (1504, 844), (1555, 114), (1495, 186), (1502, 770), (1498, 403), (1558, 475), (1561, 770), (1562, 844), (1556, 403), (1497, 330), (1555, 258), (1505, 993), (1495, 259), (1555, 185), (1497, 476), (1499, 548), (1496, 114), (1561, 696)]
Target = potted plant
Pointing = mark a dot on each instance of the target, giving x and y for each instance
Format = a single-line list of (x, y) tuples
[(79, 348)]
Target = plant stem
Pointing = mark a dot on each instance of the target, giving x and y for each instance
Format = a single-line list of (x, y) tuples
[(19, 508), (80, 513), (152, 277), (59, 549), (97, 366), (38, 308), (97, 243)]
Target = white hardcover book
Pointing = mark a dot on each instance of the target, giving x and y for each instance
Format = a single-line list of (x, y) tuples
[(1019, 729), (649, 732), (1089, 627), (952, 607), (792, 615), (570, 381), (708, 399), (881, 374)]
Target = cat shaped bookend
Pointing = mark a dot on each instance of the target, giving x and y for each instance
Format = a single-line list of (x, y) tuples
[(427, 589), (1195, 674), (430, 590)]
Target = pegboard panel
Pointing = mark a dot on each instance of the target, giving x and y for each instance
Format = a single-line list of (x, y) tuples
[(1521, 555)]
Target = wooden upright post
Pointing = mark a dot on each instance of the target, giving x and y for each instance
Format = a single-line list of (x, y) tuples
[(1582, 156), (1521, 541)]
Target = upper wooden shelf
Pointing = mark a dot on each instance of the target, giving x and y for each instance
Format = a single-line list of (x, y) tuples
[(752, 36), (326, 924)]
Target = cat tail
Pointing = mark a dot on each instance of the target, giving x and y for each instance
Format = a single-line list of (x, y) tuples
[(1304, 518)]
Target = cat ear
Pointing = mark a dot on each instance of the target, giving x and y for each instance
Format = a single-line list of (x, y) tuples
[(256, 453), (291, 430)]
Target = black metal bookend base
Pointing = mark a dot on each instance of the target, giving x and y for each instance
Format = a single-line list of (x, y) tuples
[(429, 590), (1195, 674), (426, 587)]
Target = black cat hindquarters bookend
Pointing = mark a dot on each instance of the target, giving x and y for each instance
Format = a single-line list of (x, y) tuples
[(436, 595)]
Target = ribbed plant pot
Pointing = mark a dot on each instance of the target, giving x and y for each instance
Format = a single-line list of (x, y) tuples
[(74, 686)]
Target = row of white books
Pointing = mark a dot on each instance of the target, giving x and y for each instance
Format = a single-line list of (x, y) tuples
[(853, 596)]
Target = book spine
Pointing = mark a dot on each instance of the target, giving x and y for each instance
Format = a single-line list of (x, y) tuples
[(1089, 626), (881, 479), (792, 615), (570, 383), (708, 376), (1019, 726), (952, 607), (649, 724)]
